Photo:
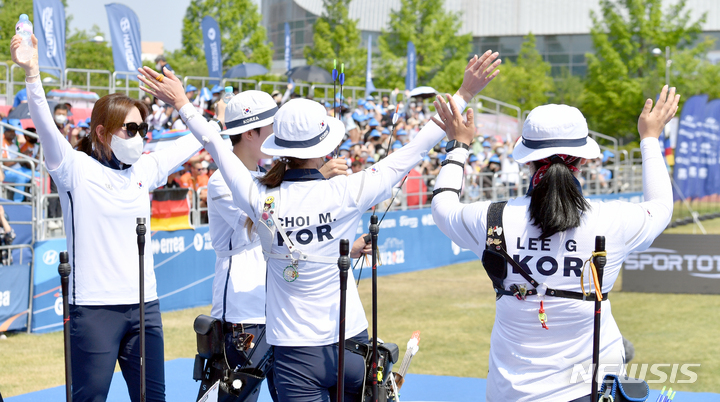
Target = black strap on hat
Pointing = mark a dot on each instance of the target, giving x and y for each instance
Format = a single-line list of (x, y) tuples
[(303, 143), (534, 144), (252, 119)]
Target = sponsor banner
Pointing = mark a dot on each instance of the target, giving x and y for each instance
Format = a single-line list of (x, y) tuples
[(125, 34), (675, 264), (213, 47), (184, 268), (49, 29), (369, 86), (410, 241), (689, 173), (411, 75), (14, 286)]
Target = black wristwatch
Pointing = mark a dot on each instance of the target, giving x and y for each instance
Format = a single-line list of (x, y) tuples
[(455, 144)]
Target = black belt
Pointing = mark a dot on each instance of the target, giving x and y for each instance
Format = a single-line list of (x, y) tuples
[(361, 349), (229, 326), (566, 294)]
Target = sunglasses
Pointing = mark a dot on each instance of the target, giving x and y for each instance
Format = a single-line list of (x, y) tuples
[(134, 128)]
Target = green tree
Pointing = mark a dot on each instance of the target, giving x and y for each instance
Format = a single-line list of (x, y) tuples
[(527, 82), (441, 52), (243, 37), (81, 52), (623, 72), (569, 89), (337, 37), (10, 11)]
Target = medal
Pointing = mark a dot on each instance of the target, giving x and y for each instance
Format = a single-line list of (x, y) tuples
[(290, 273)]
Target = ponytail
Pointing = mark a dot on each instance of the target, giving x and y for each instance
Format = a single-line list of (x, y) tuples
[(273, 178), (556, 203), (85, 145)]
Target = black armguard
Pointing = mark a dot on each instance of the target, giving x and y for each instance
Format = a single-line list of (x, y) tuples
[(440, 190), (454, 162)]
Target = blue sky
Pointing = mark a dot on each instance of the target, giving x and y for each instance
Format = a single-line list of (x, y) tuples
[(160, 20)]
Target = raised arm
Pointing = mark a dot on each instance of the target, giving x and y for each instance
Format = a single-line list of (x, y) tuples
[(54, 144), (169, 89), (459, 222), (478, 73), (656, 210)]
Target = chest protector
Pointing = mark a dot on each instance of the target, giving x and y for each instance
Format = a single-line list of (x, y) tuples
[(268, 230)]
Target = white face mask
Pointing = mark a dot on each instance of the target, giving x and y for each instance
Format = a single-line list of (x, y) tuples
[(60, 119), (158, 67), (127, 151)]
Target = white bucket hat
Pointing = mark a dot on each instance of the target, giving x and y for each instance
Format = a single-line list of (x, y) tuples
[(554, 129), (302, 129), (248, 110)]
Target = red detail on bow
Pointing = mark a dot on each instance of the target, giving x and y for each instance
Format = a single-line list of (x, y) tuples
[(567, 160)]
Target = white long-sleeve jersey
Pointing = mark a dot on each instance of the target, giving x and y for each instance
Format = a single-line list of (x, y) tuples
[(239, 284), (527, 362), (100, 206), (316, 215)]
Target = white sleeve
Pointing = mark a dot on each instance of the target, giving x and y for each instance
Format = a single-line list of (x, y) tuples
[(167, 159), (375, 183), (55, 146), (237, 177), (645, 221), (464, 224), (220, 199)]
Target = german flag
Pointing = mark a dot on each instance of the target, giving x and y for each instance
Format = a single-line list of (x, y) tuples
[(170, 209)]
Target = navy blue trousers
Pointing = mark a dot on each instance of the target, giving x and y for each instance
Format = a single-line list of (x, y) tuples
[(102, 335), (309, 373)]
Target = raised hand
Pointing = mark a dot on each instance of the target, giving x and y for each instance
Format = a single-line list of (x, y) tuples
[(31, 66), (478, 73), (166, 87), (652, 121), (451, 120)]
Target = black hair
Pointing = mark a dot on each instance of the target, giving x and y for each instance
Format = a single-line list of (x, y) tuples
[(61, 106), (235, 138), (556, 203)]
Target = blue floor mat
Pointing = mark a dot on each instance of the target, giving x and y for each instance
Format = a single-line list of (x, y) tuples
[(418, 387)]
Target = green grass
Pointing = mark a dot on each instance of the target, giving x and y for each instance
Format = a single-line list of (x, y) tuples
[(711, 226), (454, 308)]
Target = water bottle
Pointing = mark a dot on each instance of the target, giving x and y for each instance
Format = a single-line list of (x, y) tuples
[(228, 95), (25, 29)]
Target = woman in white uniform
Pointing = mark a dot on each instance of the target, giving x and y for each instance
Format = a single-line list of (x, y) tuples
[(313, 214), (549, 233), (104, 186), (239, 284)]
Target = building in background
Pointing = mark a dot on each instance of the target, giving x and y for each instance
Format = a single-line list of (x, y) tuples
[(561, 27)]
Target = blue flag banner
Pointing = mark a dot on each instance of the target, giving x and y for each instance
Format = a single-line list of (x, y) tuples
[(708, 140), (125, 34), (687, 155), (213, 47), (411, 76), (369, 87), (49, 29), (288, 51)]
